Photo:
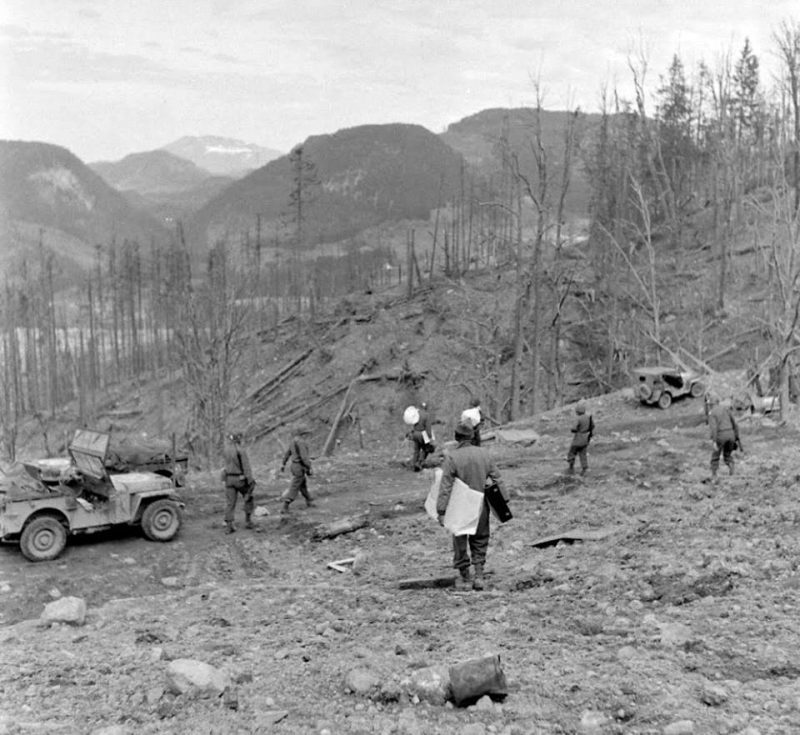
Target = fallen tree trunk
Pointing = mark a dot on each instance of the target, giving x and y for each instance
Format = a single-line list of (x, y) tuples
[(340, 526), (260, 393), (327, 449), (425, 583)]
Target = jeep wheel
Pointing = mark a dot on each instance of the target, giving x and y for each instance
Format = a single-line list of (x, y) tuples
[(665, 400), (698, 389), (161, 520), (43, 539)]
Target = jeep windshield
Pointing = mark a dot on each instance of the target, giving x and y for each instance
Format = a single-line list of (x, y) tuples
[(88, 451)]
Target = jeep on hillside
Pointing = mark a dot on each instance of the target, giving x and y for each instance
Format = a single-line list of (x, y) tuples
[(44, 501), (661, 385)]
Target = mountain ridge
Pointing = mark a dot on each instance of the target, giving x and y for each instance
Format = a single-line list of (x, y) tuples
[(221, 155)]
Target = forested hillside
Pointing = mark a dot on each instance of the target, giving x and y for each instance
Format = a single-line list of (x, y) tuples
[(688, 255), (167, 186), (332, 187)]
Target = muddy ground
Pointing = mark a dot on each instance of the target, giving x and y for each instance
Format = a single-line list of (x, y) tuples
[(683, 619)]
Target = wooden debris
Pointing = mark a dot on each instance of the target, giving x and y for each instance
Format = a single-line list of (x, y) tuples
[(339, 565), (327, 449), (340, 526), (576, 534), (423, 583)]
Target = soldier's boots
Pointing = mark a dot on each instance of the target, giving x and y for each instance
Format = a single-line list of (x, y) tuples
[(285, 509), (730, 468), (248, 522), (310, 503), (478, 582), (463, 581), (229, 527)]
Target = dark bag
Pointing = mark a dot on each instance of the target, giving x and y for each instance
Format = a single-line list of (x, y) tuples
[(497, 503), (237, 482)]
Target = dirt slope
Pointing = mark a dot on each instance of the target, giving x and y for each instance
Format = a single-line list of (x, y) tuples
[(683, 620)]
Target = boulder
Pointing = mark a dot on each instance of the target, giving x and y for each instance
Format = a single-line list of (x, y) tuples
[(523, 437), (680, 727), (195, 679), (430, 684), (70, 610), (361, 681)]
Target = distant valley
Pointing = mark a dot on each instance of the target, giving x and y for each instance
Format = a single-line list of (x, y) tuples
[(359, 179)]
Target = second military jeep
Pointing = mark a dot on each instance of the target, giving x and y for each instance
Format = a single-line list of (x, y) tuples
[(42, 502), (661, 385)]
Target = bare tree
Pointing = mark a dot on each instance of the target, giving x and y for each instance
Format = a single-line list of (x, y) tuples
[(787, 39), (212, 337)]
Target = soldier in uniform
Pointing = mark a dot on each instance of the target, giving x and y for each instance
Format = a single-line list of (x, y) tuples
[(473, 466), (422, 436), (474, 417), (582, 432), (300, 468), (238, 478), (724, 433)]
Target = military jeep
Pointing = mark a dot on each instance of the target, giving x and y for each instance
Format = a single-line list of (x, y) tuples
[(44, 501), (662, 385)]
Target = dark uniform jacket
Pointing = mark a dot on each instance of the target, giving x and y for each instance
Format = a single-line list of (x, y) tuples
[(237, 467), (583, 430), (298, 452), (473, 466), (722, 425), (423, 424)]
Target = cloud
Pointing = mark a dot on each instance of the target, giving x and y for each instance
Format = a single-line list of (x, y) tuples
[(46, 60), (12, 31), (227, 58), (90, 14)]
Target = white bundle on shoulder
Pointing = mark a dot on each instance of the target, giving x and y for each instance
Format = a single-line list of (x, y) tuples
[(411, 415), (471, 416)]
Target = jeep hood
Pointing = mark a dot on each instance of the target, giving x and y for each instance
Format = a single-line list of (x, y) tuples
[(141, 482)]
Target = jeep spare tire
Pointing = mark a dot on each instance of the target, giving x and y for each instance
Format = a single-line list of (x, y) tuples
[(698, 389), (43, 539), (644, 391), (161, 520)]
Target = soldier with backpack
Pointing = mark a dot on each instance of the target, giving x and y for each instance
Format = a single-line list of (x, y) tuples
[(300, 468)]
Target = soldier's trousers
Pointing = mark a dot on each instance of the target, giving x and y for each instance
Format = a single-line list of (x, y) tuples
[(725, 448), (298, 486), (579, 452), (231, 495), (474, 546)]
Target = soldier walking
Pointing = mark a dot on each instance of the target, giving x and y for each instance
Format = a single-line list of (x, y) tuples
[(300, 468), (422, 436), (238, 478), (724, 433), (473, 466), (474, 417)]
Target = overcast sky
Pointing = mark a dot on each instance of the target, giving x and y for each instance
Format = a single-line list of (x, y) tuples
[(105, 78)]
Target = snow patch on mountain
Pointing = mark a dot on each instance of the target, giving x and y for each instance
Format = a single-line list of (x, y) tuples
[(230, 150)]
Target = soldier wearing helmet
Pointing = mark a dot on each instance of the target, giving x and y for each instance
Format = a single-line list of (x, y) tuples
[(724, 432), (582, 432), (300, 468), (238, 479)]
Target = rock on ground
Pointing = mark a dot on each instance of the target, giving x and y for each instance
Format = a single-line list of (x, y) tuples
[(70, 610), (195, 678)]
